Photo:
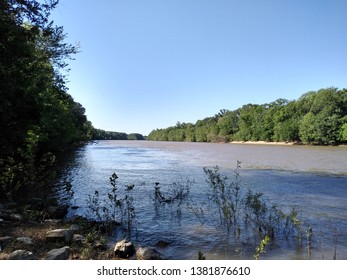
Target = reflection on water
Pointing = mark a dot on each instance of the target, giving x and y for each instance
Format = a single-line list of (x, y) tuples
[(312, 179)]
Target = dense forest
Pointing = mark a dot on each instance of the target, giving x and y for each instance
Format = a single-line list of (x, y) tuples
[(100, 134), (317, 117), (38, 117)]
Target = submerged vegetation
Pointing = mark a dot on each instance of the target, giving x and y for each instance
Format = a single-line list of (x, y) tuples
[(244, 213), (318, 118), (238, 212), (114, 211)]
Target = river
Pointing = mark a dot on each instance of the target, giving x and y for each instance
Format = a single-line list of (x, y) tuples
[(312, 179)]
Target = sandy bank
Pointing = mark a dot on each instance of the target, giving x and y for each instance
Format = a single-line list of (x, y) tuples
[(264, 143)]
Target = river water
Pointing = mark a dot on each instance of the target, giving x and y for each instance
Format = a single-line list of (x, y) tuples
[(311, 179)]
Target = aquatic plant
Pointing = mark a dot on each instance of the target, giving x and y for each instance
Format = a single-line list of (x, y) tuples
[(265, 221), (114, 210), (261, 248), (173, 198)]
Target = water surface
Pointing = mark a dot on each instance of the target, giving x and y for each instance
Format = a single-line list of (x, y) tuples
[(311, 179)]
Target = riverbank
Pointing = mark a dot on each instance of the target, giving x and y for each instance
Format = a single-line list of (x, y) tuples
[(265, 143), (33, 232), (27, 233), (280, 143)]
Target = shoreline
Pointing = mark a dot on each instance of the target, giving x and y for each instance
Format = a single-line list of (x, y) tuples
[(280, 143), (265, 143)]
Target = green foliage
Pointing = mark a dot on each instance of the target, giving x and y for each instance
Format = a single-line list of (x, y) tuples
[(226, 196), (174, 197), (261, 248), (201, 256), (135, 136), (317, 118), (246, 213), (37, 115), (343, 133), (112, 209), (100, 134)]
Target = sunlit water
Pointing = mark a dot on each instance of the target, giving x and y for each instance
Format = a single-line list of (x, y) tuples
[(311, 179)]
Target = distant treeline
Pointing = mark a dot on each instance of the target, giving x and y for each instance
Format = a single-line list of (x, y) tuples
[(317, 117), (99, 134)]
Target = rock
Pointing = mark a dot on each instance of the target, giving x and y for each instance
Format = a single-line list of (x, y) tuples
[(58, 254), (59, 235), (57, 212), (124, 249), (75, 228), (78, 238), (4, 240), (25, 240), (4, 256), (53, 221), (21, 255), (148, 254), (99, 245), (15, 217)]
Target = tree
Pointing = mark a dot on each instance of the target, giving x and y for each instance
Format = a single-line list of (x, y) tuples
[(228, 125), (343, 133), (317, 117), (38, 117)]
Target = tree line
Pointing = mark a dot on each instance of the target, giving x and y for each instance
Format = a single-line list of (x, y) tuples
[(38, 118), (100, 134), (317, 118)]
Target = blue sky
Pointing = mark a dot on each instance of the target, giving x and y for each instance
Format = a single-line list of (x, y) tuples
[(146, 64)]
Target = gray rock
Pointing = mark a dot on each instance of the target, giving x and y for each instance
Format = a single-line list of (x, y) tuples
[(4, 256), (16, 217), (53, 221), (99, 245), (75, 228), (62, 235), (25, 240), (148, 253), (124, 249), (21, 255), (78, 238), (58, 254), (5, 240)]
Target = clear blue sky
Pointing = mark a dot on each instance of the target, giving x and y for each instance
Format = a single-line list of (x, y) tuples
[(146, 64)]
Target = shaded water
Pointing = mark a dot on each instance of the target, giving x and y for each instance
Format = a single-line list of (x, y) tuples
[(312, 179)]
